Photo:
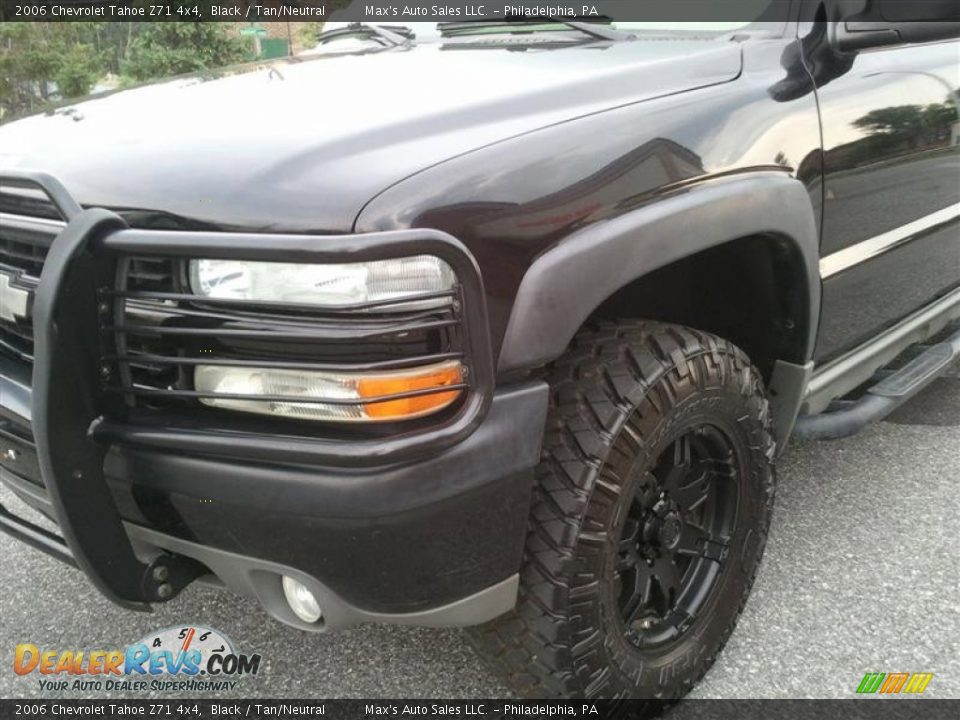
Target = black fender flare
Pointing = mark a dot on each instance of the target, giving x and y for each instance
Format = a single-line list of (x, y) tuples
[(568, 282)]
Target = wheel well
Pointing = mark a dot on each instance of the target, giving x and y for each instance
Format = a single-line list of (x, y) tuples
[(751, 291)]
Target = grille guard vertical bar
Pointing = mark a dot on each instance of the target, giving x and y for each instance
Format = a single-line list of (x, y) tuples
[(64, 406), (66, 403)]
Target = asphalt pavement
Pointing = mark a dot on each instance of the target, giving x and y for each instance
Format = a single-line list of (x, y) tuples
[(860, 575)]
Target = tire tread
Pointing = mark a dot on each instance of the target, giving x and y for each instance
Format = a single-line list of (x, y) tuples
[(609, 371)]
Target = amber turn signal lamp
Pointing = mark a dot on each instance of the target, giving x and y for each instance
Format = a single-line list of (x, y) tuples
[(410, 381)]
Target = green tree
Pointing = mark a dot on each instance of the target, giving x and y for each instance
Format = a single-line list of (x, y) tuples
[(162, 49), (910, 125), (78, 70), (307, 34), (902, 120), (40, 61)]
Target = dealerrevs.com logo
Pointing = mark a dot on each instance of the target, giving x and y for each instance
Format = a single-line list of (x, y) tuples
[(177, 659)]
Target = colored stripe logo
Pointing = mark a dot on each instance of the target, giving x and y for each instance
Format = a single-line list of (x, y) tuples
[(894, 683)]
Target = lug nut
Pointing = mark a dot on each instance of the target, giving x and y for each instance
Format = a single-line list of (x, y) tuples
[(161, 573), (165, 591)]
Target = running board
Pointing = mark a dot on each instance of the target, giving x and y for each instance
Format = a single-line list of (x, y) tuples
[(881, 399)]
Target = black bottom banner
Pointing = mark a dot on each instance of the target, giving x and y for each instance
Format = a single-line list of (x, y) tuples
[(873, 709)]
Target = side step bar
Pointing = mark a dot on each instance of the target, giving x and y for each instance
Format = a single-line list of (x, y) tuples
[(881, 399)]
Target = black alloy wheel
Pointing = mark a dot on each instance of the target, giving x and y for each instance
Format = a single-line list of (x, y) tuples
[(676, 536)]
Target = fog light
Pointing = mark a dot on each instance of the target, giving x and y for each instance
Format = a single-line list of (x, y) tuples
[(301, 600)]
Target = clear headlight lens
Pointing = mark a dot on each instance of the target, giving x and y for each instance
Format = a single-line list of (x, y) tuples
[(356, 390), (328, 285)]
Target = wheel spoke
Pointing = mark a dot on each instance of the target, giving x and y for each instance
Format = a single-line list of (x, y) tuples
[(639, 592), (692, 489), (630, 538), (680, 464), (683, 451), (667, 573), (688, 479), (646, 493), (692, 540)]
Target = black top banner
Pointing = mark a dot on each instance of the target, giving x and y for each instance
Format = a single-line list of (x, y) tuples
[(386, 12), (379, 11)]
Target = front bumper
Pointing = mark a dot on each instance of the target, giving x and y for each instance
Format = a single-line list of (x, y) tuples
[(431, 542), (425, 527)]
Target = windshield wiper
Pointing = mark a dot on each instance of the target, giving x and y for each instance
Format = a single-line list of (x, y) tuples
[(604, 32), (593, 29), (395, 36)]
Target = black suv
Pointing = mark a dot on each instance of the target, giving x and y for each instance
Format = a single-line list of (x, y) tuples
[(504, 330)]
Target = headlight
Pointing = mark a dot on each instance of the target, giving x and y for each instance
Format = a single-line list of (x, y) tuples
[(360, 397), (328, 285)]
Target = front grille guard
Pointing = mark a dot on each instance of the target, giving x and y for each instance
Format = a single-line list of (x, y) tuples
[(73, 429)]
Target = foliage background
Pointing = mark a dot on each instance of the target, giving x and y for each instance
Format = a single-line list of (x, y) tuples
[(41, 62)]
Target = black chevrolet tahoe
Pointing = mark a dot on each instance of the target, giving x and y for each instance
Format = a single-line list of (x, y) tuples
[(501, 329)]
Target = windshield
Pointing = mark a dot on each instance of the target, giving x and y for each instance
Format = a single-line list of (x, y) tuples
[(681, 27), (348, 37)]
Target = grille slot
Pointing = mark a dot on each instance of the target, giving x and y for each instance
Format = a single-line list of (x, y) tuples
[(151, 274), (29, 203), (24, 244), (16, 338), (145, 278), (24, 256)]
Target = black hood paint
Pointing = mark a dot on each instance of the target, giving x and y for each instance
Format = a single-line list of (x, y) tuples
[(303, 144)]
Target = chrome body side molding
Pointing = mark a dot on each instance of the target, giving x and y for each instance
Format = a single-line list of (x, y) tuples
[(861, 252)]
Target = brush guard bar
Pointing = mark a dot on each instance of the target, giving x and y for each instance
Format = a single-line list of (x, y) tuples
[(72, 422)]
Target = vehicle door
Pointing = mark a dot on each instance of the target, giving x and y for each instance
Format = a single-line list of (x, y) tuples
[(890, 241)]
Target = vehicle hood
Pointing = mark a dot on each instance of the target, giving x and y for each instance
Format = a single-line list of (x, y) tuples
[(302, 144)]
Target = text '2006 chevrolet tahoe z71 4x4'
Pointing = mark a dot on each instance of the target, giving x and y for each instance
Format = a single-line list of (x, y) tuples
[(502, 330)]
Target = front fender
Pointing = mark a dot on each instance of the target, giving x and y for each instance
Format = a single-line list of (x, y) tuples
[(568, 282)]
